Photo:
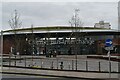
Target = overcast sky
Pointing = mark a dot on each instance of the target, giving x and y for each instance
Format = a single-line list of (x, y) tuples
[(59, 13)]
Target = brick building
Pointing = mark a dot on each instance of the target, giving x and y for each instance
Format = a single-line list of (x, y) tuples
[(60, 38)]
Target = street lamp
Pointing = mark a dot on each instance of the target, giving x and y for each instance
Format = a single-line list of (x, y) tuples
[(75, 24), (1, 50)]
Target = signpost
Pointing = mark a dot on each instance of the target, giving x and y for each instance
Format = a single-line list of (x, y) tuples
[(109, 47)]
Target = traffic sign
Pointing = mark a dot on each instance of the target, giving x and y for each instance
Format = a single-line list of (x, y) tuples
[(108, 42), (109, 48)]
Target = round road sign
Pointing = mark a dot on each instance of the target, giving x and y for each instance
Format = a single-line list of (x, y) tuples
[(108, 42)]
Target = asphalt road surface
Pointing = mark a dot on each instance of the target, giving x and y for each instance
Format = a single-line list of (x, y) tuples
[(25, 77)]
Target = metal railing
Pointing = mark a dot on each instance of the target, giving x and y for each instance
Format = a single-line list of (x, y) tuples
[(64, 64)]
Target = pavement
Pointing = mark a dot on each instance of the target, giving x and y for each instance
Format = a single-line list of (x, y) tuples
[(42, 56), (58, 56), (69, 63), (32, 77), (77, 75), (65, 74)]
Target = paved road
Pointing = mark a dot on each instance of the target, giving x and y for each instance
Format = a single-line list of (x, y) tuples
[(39, 72), (25, 77)]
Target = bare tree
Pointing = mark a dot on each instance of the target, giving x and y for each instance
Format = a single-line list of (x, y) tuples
[(75, 23), (15, 24)]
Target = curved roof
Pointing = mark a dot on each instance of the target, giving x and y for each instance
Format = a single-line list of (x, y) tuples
[(58, 29)]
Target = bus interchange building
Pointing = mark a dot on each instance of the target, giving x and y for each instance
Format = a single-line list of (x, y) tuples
[(62, 39)]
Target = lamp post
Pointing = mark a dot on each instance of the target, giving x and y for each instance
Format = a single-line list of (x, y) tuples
[(75, 24), (1, 50), (32, 43)]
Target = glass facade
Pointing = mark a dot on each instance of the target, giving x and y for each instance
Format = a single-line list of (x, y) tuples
[(40, 43), (65, 45)]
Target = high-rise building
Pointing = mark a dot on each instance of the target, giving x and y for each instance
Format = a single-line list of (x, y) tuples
[(102, 24)]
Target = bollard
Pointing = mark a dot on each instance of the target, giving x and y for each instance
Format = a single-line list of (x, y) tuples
[(9, 61), (20, 59), (72, 65), (69, 66), (99, 67), (61, 65), (41, 64), (57, 63), (86, 65), (25, 61), (52, 65), (15, 60)]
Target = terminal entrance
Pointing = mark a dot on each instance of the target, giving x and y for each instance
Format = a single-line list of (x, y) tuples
[(67, 46), (63, 44)]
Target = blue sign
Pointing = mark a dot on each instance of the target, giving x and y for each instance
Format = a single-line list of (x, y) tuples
[(108, 42)]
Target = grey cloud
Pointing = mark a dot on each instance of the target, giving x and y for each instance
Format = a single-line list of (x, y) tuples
[(54, 13)]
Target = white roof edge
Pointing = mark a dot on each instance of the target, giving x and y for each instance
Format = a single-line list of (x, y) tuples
[(60, 31)]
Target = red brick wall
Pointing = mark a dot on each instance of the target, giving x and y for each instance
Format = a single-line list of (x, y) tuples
[(7, 43), (0, 45)]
